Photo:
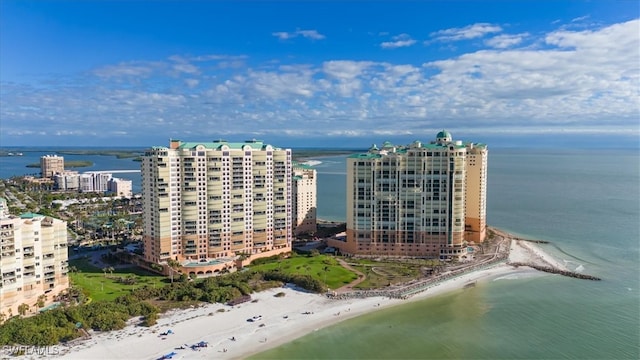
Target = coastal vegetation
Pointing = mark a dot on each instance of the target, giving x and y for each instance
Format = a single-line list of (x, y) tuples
[(71, 164), (91, 305), (120, 154), (383, 272), (110, 282), (319, 267)]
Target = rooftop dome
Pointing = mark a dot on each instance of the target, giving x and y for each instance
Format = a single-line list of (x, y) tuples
[(444, 135)]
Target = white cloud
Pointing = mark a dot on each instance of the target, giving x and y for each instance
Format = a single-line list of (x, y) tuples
[(185, 68), (402, 40), (577, 81), (133, 69), (581, 18), (191, 83), (466, 33), (309, 34), (505, 41)]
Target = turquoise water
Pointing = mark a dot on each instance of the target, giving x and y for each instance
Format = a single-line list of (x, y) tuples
[(586, 203)]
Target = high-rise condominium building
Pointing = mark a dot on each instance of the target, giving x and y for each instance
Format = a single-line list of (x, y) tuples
[(305, 201), (51, 165), (205, 203), (416, 200), (33, 262)]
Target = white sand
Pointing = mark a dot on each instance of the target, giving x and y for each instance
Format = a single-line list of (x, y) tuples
[(283, 319), (526, 252)]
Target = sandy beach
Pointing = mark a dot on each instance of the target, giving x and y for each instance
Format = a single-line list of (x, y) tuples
[(230, 335)]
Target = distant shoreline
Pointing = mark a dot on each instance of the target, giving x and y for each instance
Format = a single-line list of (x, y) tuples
[(67, 164)]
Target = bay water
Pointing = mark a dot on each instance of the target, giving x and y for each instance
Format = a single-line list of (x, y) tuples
[(585, 202)]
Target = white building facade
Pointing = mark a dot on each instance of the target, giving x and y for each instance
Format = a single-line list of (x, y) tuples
[(95, 181)]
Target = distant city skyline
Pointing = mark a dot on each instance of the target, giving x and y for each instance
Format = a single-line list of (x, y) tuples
[(319, 74)]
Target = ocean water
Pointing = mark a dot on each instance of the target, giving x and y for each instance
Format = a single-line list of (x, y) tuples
[(586, 202)]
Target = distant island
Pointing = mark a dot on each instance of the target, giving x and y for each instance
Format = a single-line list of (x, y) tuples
[(68, 164), (136, 155), (120, 154)]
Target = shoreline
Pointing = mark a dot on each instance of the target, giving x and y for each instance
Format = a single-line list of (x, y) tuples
[(283, 319)]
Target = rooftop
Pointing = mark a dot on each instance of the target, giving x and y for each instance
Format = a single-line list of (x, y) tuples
[(217, 144)]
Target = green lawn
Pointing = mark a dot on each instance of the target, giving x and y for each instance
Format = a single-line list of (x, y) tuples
[(322, 267), (107, 287)]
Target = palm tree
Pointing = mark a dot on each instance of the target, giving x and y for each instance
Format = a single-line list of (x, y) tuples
[(174, 265), (22, 309), (42, 299)]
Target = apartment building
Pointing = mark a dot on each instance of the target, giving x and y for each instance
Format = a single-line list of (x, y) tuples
[(51, 165), (95, 182), (304, 199), (426, 200), (206, 204), (120, 187), (33, 261), (67, 180)]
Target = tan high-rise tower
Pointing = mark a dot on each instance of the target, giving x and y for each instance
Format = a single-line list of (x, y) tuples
[(51, 165), (412, 200), (206, 203)]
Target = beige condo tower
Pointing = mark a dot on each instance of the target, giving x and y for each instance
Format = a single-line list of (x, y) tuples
[(420, 200), (51, 165), (207, 204)]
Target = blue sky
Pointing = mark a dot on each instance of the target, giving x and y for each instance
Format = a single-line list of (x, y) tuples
[(303, 73)]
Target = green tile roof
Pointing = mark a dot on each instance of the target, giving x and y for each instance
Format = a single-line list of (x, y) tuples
[(217, 144), (365, 156)]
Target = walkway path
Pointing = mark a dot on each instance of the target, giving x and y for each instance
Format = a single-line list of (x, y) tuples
[(349, 286)]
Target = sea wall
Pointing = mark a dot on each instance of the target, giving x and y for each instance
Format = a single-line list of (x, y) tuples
[(554, 270)]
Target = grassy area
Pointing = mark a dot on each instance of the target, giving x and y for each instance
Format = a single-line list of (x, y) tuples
[(107, 286), (322, 267), (379, 274)]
